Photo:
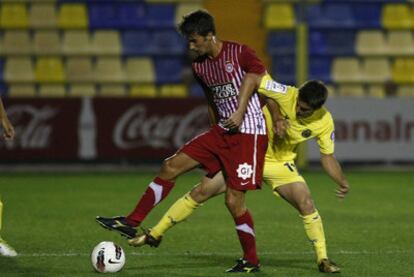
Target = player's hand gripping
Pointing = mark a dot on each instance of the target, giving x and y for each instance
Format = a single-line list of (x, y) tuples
[(342, 190), (8, 129), (234, 121), (280, 127)]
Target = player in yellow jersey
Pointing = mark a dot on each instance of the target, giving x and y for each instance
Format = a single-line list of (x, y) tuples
[(5, 249), (302, 117)]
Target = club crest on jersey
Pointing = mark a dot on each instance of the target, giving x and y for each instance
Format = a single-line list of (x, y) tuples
[(275, 86), (306, 133), (244, 171), (229, 67), (224, 91)]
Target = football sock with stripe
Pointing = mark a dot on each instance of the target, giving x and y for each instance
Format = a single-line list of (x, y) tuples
[(314, 230), (178, 212), (155, 193), (247, 237)]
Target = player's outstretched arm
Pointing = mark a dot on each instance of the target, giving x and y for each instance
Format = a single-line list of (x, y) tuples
[(250, 83), (334, 170), (7, 126)]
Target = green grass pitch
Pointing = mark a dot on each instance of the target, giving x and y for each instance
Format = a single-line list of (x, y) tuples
[(49, 219)]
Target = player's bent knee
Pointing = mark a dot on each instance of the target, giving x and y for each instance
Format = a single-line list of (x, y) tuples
[(306, 206), (169, 168)]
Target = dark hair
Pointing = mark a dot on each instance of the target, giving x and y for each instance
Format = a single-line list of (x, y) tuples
[(313, 93), (198, 22)]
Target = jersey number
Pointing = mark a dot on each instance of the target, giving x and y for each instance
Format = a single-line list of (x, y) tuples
[(290, 166)]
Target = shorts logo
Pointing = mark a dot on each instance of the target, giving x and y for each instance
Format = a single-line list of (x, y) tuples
[(244, 171), (229, 67), (333, 136), (307, 133)]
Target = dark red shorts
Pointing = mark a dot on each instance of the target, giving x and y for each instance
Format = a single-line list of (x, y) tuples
[(240, 156)]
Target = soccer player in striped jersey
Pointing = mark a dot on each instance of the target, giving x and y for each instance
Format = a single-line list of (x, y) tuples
[(302, 117), (5, 249), (236, 142)]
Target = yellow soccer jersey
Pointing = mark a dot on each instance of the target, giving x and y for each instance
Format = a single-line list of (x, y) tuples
[(319, 125)]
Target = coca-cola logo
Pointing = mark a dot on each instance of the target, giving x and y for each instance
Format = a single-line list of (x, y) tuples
[(31, 125), (136, 128)]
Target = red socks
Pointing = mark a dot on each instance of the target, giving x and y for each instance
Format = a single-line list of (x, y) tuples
[(155, 193), (245, 231)]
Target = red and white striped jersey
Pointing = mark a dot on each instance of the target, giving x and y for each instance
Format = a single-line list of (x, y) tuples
[(223, 75)]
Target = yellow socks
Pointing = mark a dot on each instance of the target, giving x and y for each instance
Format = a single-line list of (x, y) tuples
[(314, 231), (178, 212)]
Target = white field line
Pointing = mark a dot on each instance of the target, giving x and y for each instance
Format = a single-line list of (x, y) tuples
[(263, 253)]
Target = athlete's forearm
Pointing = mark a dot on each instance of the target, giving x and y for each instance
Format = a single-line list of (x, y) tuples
[(4, 121), (333, 169), (274, 109), (250, 83), (2, 111), (279, 123)]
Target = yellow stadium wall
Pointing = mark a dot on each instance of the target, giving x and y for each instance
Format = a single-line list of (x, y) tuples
[(240, 21)]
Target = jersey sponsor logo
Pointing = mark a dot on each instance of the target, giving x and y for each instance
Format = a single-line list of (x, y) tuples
[(306, 133), (244, 171), (275, 86), (224, 91), (229, 67)]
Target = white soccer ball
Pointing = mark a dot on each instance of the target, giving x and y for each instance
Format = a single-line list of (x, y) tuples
[(108, 257)]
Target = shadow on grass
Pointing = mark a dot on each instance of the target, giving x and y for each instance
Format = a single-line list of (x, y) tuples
[(266, 262), (215, 265), (291, 263)]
